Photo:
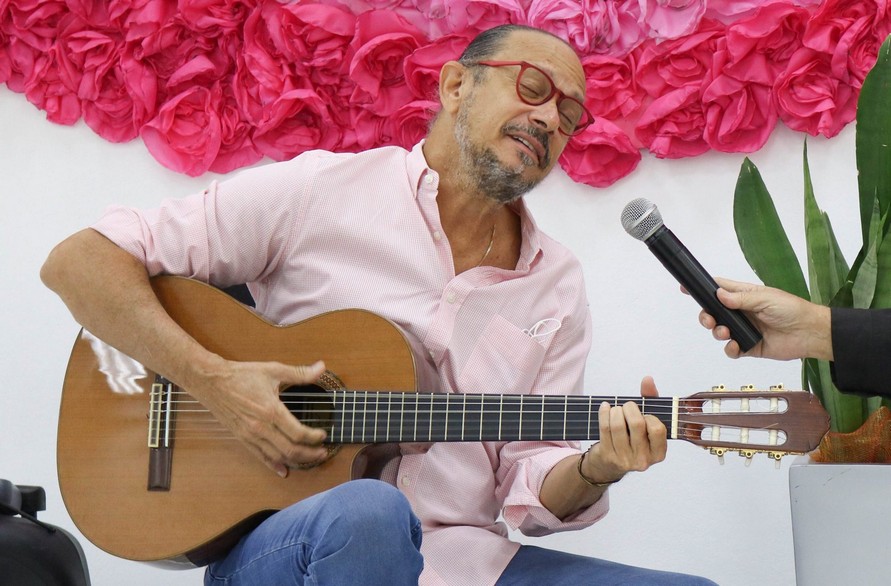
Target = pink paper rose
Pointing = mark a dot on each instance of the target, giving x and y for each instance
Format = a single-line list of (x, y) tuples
[(5, 61), (739, 115), (45, 88), (599, 156), (678, 63), (34, 22), (671, 127), (810, 98), (612, 91), (422, 67), (176, 55), (760, 45), (236, 137), (215, 17), (27, 31), (593, 26), (118, 94), (383, 40), (262, 74), (670, 19), (852, 33), (296, 122), (185, 135), (312, 38), (474, 16), (728, 11), (19, 64), (112, 113), (363, 130), (409, 124)]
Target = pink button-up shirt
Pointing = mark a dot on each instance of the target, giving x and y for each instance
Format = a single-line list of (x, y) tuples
[(331, 231)]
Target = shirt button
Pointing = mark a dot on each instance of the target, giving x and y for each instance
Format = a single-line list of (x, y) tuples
[(406, 481), (450, 297), (428, 179), (437, 235), (431, 354)]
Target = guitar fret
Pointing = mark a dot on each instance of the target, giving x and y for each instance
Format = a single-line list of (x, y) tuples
[(430, 430), (445, 431), (542, 420), (520, 431), (334, 418), (353, 427), (417, 410), (389, 410), (463, 416), (590, 417), (565, 413), (500, 413), (402, 417), (482, 413), (364, 413)]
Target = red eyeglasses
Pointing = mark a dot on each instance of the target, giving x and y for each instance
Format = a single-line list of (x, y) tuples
[(535, 87)]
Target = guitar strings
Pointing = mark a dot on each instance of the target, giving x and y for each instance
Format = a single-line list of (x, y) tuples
[(396, 423)]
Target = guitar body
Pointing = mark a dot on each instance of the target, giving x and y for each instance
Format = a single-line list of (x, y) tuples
[(217, 490)]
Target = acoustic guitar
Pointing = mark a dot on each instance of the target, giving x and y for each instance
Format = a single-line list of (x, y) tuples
[(148, 474)]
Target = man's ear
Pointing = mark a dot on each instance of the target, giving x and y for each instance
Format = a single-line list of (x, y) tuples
[(454, 80)]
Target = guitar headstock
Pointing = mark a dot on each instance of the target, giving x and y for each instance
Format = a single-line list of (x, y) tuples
[(749, 421)]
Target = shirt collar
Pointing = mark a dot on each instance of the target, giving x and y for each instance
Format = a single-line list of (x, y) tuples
[(417, 167)]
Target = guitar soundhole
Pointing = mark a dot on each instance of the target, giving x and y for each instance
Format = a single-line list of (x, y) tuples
[(313, 405)]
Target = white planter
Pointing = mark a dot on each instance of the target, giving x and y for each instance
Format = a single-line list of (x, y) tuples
[(841, 523)]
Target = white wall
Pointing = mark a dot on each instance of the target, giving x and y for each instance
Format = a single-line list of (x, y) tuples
[(729, 522)]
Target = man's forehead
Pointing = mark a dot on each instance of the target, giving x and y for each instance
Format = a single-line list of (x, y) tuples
[(550, 54)]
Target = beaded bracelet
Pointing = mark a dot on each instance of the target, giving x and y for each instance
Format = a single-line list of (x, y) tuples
[(588, 480)]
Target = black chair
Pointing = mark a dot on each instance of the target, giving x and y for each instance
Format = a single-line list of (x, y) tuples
[(34, 553)]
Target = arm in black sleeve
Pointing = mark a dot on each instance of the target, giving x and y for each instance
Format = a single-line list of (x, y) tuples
[(861, 347)]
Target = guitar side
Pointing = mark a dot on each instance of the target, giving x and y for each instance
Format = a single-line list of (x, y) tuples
[(217, 489)]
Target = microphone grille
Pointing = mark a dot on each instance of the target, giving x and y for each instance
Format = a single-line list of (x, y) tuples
[(641, 218)]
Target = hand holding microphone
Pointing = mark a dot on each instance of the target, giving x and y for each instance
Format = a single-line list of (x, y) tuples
[(642, 220)]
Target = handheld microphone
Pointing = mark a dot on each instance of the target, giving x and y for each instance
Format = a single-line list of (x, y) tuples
[(642, 220)]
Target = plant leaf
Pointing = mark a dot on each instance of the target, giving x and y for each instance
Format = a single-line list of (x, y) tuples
[(847, 412), (865, 273), (761, 235), (827, 267), (872, 140), (882, 297)]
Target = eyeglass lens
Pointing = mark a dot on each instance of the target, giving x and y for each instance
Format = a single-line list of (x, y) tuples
[(535, 88)]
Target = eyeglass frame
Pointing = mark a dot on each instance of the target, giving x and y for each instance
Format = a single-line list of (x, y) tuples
[(561, 95)]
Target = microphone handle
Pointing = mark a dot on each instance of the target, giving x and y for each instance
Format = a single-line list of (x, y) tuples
[(701, 286)]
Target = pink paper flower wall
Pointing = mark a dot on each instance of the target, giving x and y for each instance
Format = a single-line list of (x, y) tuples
[(215, 85)]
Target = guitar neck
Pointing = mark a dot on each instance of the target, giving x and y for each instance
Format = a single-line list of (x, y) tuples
[(374, 417)]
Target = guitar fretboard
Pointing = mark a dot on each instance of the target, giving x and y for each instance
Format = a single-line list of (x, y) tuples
[(372, 417)]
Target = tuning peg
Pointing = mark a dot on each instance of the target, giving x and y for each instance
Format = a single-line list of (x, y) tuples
[(719, 452), (778, 387), (717, 388), (747, 388)]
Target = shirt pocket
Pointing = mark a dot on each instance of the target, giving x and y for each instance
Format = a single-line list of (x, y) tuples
[(505, 360)]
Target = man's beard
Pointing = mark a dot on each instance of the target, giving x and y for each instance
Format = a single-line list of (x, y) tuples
[(483, 170)]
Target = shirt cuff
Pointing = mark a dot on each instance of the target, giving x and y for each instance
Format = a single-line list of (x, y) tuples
[(524, 511)]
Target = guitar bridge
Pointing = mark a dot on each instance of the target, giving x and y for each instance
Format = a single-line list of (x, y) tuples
[(160, 434)]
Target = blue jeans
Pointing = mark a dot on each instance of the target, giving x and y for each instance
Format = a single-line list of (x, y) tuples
[(364, 533), (361, 532), (534, 566)]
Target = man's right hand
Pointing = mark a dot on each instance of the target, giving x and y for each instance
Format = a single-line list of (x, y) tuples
[(244, 396)]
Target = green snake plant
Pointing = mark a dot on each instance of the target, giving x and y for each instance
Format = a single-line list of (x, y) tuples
[(831, 281)]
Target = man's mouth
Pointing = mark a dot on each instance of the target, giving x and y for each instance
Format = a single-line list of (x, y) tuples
[(536, 147)]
